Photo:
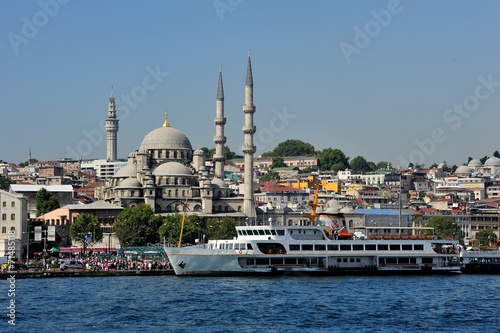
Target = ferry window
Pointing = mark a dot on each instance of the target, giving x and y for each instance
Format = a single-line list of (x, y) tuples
[(358, 259), (320, 247), (345, 247), (370, 247), (357, 247), (351, 260), (426, 260), (403, 260), (339, 260), (250, 262), (262, 261), (406, 247), (294, 247), (395, 247), (418, 247), (273, 232), (268, 232), (277, 261), (344, 260), (391, 260), (333, 247), (261, 232), (239, 232), (290, 261), (382, 247), (249, 246), (307, 247), (281, 232), (413, 260)]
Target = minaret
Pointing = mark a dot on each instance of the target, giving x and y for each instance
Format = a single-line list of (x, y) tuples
[(219, 138), (248, 147), (111, 129)]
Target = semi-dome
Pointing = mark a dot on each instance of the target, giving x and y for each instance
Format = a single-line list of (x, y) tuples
[(130, 183), (165, 138), (172, 169), (463, 169), (492, 161), (475, 163), (129, 170)]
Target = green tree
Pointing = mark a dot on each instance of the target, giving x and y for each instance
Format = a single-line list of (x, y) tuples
[(444, 227), (28, 162), (45, 202), (5, 183), (86, 229), (486, 236), (224, 228), (383, 165), (291, 148), (278, 162), (271, 175), (332, 159), (360, 164), (170, 230), (496, 154), (137, 226)]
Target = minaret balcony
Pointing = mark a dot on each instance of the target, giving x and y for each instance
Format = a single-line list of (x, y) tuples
[(249, 129), (220, 120), (249, 109), (219, 139), (247, 149), (218, 158)]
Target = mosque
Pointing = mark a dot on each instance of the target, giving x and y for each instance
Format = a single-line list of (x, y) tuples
[(167, 174)]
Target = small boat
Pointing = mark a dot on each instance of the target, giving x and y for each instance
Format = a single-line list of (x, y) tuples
[(479, 261), (314, 250)]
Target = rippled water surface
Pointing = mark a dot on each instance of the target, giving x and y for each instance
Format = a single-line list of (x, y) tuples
[(462, 303)]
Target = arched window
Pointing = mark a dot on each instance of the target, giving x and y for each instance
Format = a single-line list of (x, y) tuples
[(4, 217), (4, 230), (13, 229)]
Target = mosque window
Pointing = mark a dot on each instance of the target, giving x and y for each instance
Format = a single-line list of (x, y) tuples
[(175, 154), (4, 230)]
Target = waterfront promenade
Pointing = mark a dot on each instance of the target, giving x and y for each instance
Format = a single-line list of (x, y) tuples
[(52, 273)]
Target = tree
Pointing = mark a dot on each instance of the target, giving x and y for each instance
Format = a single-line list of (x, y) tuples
[(332, 159), (278, 162), (170, 230), (496, 154), (5, 183), (85, 229), (45, 202), (360, 164), (384, 165), (271, 175), (28, 162), (486, 236), (224, 228), (292, 148), (137, 226), (444, 227)]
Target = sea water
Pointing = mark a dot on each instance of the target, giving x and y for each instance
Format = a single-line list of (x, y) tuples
[(459, 303)]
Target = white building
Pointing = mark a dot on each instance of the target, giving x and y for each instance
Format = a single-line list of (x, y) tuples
[(103, 169), (13, 221)]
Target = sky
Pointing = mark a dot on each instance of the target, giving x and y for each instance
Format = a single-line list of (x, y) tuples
[(398, 81)]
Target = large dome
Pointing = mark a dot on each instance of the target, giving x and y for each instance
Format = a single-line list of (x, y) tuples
[(165, 138), (129, 170), (492, 161), (172, 169), (475, 163)]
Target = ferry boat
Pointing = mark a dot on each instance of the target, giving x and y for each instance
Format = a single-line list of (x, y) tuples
[(315, 250), (479, 262)]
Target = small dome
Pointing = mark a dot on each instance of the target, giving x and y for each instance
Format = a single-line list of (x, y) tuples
[(463, 169), (347, 209), (217, 182), (129, 170), (172, 169), (475, 163), (441, 165), (130, 183), (492, 161), (165, 138), (199, 152)]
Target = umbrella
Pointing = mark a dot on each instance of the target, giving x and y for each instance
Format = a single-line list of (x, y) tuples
[(54, 249)]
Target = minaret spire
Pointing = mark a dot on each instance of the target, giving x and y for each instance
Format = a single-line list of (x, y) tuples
[(166, 123), (111, 129), (248, 147), (219, 139)]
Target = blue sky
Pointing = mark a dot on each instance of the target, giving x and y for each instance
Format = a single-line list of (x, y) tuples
[(398, 81)]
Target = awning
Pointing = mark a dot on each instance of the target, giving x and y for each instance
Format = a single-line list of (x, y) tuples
[(79, 249)]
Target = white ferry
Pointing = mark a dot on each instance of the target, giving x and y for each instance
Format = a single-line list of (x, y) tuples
[(475, 261), (314, 250)]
